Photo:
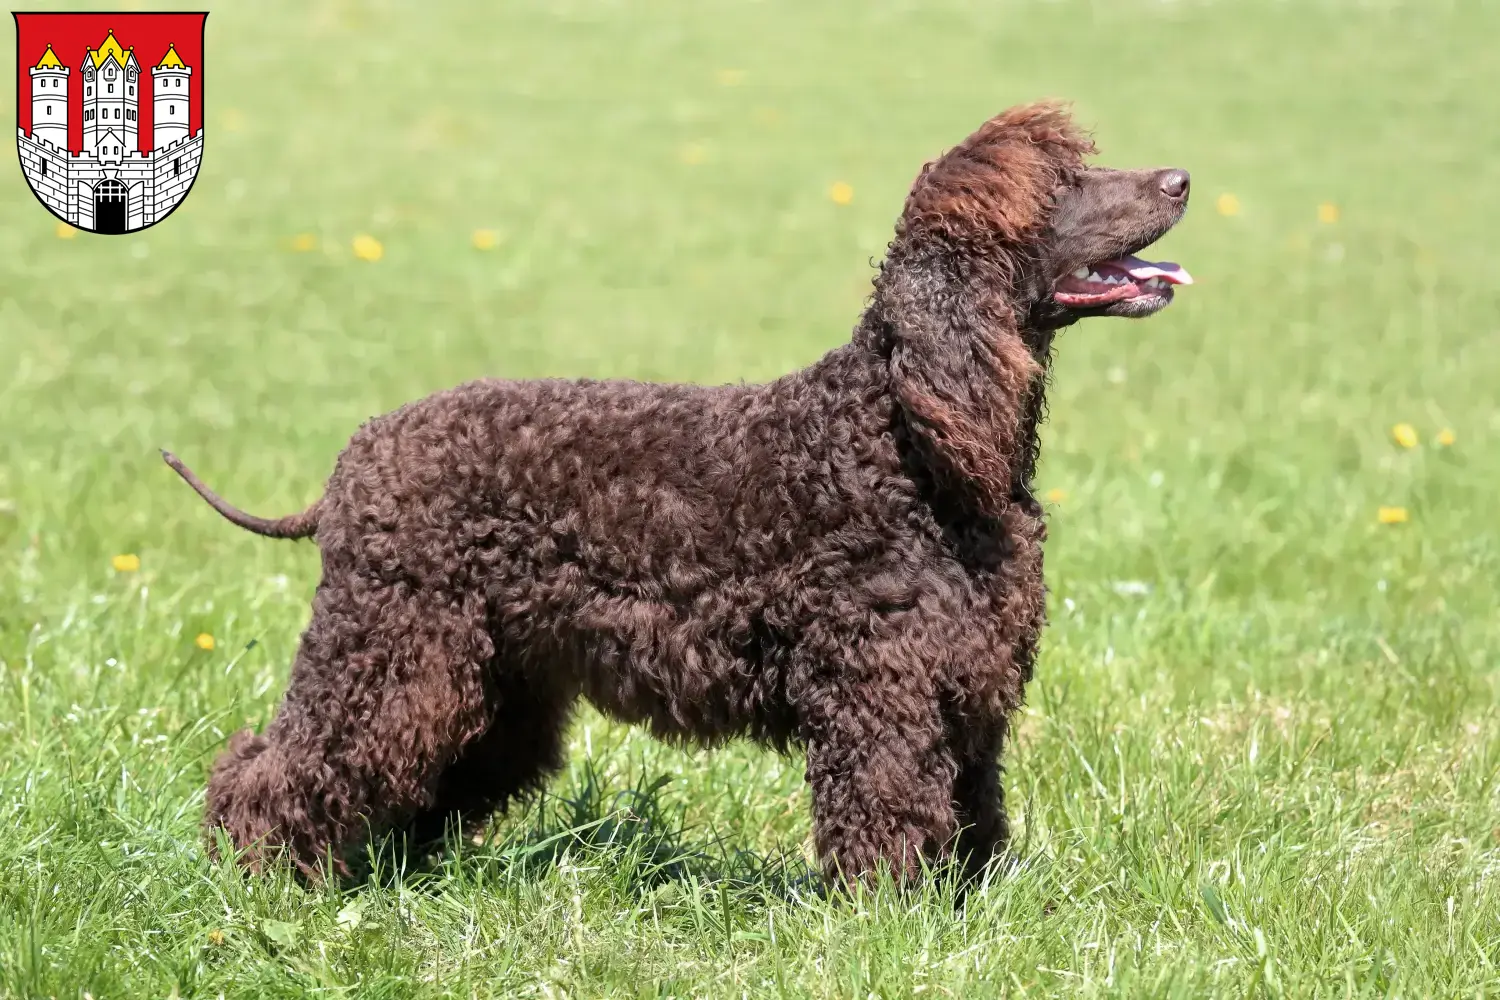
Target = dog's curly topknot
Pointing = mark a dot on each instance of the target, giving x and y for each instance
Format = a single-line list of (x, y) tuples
[(846, 560), (996, 184)]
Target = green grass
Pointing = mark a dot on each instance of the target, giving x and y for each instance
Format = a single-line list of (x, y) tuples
[(1261, 754)]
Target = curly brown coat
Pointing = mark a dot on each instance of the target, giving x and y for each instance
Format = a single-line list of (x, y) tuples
[(846, 560)]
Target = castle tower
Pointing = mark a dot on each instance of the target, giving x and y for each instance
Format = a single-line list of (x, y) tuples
[(171, 84), (49, 100), (111, 80)]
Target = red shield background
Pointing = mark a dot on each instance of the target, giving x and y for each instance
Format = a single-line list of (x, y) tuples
[(72, 35)]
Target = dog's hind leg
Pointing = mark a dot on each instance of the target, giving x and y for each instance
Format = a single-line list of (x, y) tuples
[(522, 747), (387, 690)]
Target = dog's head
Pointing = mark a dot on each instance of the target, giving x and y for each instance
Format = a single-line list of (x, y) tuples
[(1100, 220), (1003, 239), (1065, 235)]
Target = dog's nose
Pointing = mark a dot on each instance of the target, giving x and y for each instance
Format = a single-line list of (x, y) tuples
[(1174, 184)]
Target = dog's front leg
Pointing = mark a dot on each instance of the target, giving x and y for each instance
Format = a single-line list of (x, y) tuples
[(980, 802), (880, 772)]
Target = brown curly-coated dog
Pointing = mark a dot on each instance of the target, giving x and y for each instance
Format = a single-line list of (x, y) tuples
[(846, 560)]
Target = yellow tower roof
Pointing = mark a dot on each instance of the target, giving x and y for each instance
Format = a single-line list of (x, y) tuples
[(171, 60), (49, 60), (111, 49)]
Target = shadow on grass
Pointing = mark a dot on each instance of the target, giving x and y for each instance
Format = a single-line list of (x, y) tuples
[(630, 835)]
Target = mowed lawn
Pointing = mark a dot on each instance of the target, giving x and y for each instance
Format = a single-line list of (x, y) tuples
[(1260, 756)]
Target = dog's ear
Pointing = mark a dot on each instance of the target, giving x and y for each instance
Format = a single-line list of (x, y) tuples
[(964, 377)]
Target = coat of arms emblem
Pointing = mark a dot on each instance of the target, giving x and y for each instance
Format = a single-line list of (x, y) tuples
[(109, 114)]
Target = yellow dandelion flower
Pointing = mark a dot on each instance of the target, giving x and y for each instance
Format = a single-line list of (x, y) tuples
[(1405, 435), (126, 563), (693, 154), (730, 77), (367, 247), (483, 239), (304, 242), (841, 193), (65, 231), (204, 641), (234, 120), (1393, 515), (1328, 213), (766, 116), (1057, 494), (1228, 204), (215, 937), (1446, 437)]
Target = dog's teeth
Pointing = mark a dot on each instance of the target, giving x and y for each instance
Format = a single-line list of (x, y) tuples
[(1094, 276), (1112, 280), (1081, 274)]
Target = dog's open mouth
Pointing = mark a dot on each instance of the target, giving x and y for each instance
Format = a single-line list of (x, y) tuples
[(1118, 280)]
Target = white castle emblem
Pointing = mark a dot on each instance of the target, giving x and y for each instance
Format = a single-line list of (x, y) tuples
[(110, 186)]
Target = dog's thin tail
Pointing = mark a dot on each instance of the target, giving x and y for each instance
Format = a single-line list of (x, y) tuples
[(292, 526)]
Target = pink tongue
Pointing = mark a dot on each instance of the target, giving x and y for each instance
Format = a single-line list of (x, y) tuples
[(1145, 270)]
